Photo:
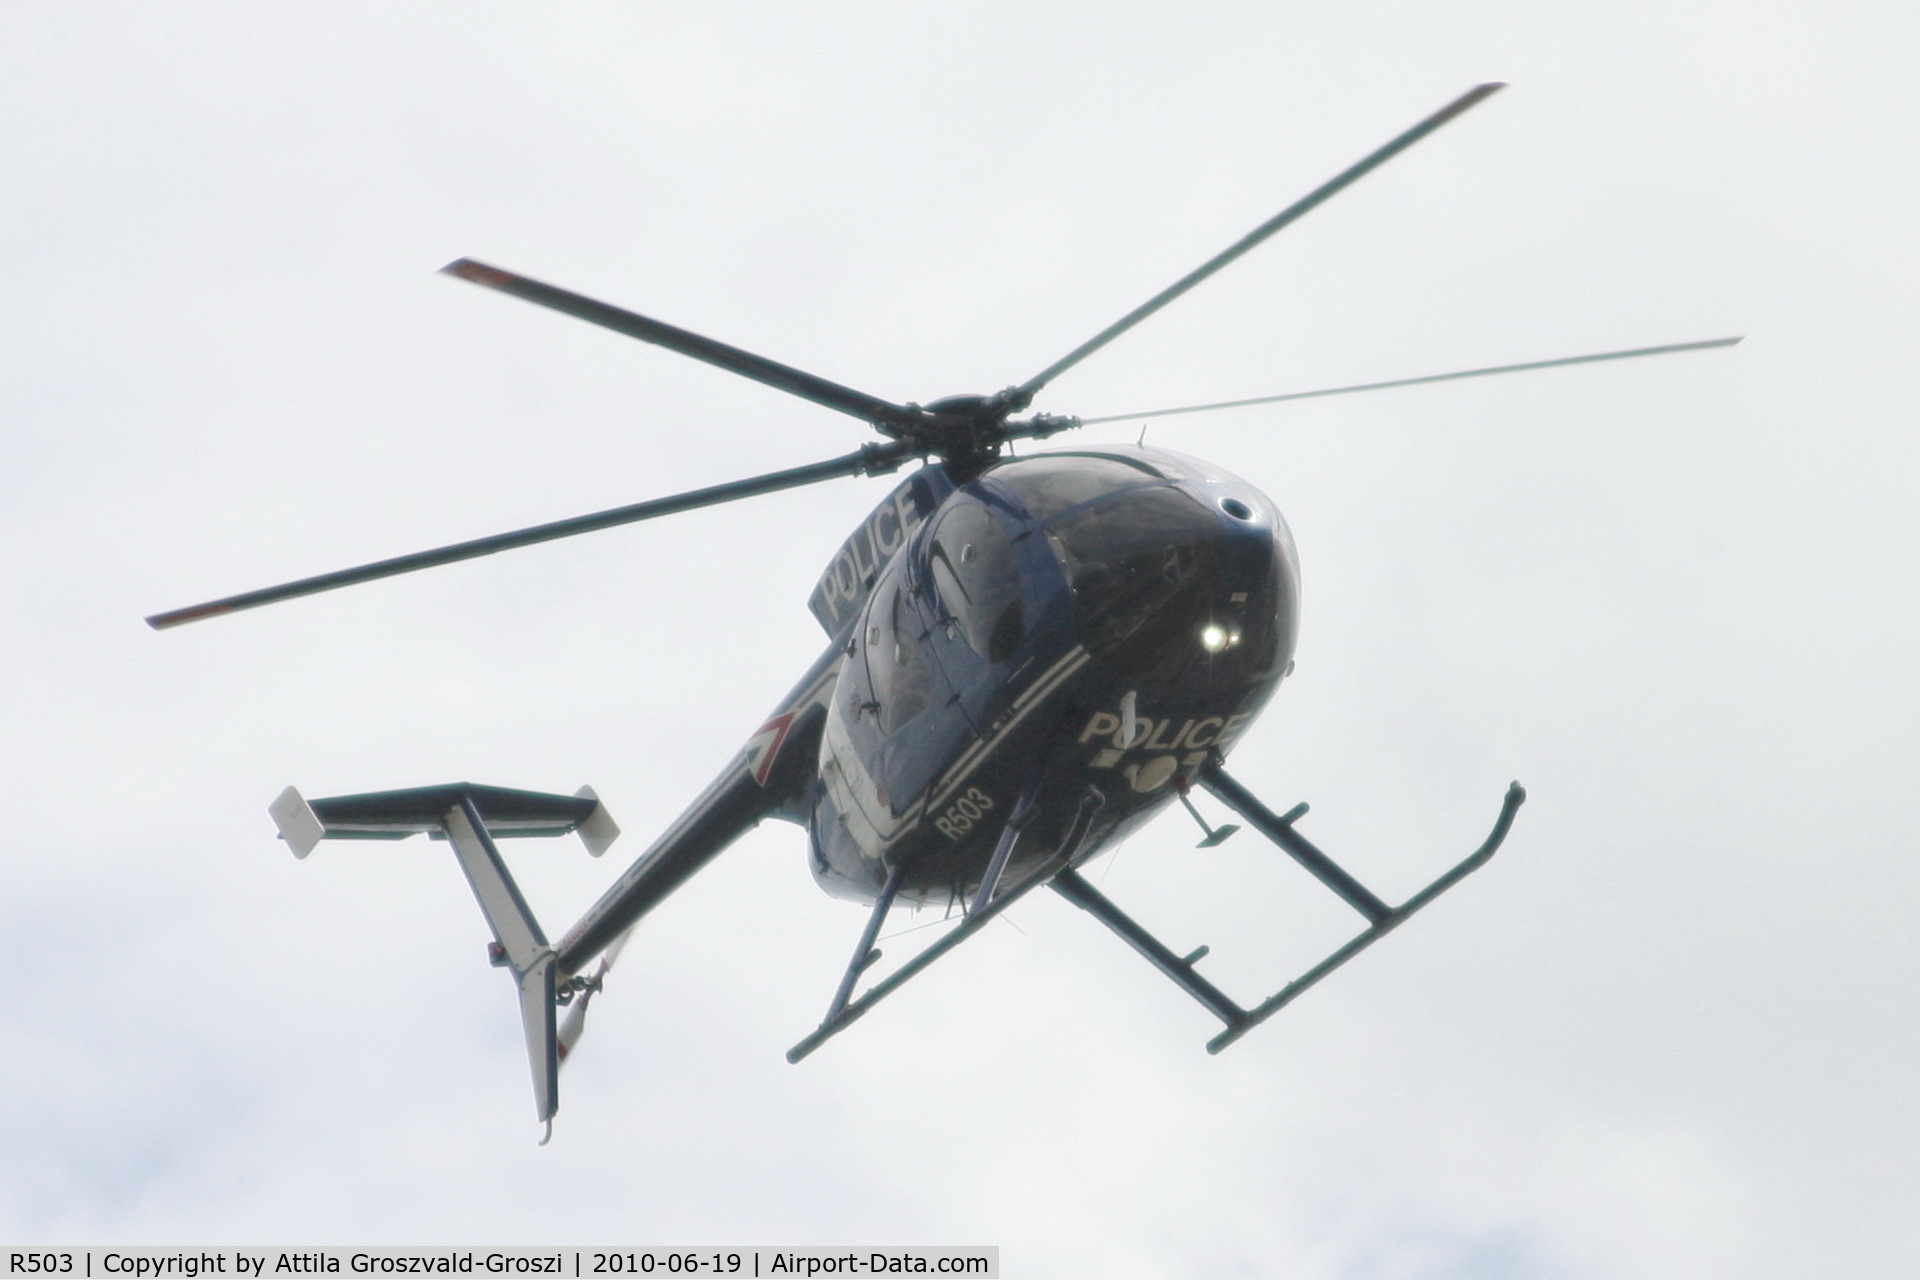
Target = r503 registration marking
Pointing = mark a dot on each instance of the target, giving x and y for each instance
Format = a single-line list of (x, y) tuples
[(963, 813)]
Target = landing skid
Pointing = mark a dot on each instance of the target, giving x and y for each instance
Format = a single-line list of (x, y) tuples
[(1382, 919), (1058, 873)]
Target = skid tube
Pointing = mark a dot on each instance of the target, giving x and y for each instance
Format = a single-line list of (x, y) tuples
[(1382, 919)]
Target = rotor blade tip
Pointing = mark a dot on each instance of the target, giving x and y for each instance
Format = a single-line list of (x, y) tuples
[(477, 272), (179, 617)]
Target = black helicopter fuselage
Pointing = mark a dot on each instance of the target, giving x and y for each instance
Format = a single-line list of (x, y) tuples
[(1103, 618), (1027, 659)]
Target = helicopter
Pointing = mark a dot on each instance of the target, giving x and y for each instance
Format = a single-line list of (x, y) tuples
[(1027, 660)]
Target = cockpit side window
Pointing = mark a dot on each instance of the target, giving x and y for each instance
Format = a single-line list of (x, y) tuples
[(977, 581), (896, 664)]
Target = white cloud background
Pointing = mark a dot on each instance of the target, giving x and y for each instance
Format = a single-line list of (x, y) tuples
[(1668, 1032)]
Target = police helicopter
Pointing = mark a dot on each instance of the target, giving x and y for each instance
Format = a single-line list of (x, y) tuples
[(1027, 660)]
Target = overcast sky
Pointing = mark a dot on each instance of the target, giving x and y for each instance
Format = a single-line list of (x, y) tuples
[(1669, 1031)]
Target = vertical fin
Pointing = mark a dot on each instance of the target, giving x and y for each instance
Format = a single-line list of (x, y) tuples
[(539, 1020), (520, 940)]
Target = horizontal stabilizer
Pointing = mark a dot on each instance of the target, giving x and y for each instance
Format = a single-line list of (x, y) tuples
[(395, 815), (469, 817)]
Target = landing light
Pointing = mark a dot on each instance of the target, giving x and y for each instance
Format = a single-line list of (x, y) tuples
[(1214, 638)]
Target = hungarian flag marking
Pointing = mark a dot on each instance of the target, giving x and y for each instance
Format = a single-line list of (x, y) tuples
[(763, 748)]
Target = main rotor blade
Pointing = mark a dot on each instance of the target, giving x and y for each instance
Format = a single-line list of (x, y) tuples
[(869, 461), (1414, 382), (1293, 212), (794, 381)]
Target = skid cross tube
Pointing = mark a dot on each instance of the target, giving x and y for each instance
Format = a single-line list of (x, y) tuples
[(1009, 836), (1280, 830), (1076, 836), (864, 954)]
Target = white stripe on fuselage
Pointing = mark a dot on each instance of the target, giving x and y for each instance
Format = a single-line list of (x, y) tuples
[(844, 767), (1036, 693)]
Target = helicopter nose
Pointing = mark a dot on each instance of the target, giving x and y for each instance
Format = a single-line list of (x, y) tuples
[(1179, 584)]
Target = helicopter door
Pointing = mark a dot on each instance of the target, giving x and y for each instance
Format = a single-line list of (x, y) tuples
[(897, 668), (974, 582), (921, 728)]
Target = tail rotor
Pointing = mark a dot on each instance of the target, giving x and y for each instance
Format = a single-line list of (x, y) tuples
[(574, 1024)]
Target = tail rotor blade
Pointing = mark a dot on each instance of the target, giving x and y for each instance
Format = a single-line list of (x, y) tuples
[(1595, 358), (871, 460), (574, 1025), (1024, 393), (807, 386)]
